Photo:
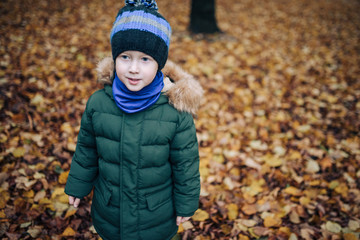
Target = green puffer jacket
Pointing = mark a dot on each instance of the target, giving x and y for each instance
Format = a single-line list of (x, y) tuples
[(144, 167)]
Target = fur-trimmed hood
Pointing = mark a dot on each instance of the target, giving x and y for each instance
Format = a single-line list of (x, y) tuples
[(183, 91)]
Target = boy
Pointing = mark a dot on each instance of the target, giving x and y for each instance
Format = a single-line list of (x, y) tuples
[(138, 151)]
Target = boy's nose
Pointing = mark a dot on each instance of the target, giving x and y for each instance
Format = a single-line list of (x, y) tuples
[(134, 68)]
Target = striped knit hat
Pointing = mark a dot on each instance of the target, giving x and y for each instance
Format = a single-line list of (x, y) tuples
[(138, 26)]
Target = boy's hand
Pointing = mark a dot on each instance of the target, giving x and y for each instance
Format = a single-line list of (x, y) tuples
[(181, 220), (74, 201)]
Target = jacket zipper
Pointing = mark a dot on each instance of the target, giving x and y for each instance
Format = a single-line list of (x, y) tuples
[(120, 177)]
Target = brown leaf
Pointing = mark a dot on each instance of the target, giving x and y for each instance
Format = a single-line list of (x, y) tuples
[(249, 209)]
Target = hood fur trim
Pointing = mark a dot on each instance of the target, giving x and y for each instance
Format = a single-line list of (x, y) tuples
[(183, 91)]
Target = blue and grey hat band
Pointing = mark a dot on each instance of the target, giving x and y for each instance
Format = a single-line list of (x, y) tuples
[(143, 21)]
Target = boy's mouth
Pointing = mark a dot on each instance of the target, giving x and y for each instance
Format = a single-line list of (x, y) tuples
[(133, 81)]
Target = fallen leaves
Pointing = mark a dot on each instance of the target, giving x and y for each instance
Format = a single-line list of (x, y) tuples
[(200, 215), (333, 227), (277, 128), (19, 152), (68, 232)]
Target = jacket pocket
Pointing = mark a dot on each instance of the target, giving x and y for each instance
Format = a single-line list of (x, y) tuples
[(107, 195), (103, 189), (157, 199)]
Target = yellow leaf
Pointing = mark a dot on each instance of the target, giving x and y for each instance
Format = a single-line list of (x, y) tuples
[(187, 225), (274, 161), (333, 227), (235, 172), (226, 229), (229, 183), (294, 217), (252, 233), (342, 189), (66, 127), (70, 212), (71, 146), (63, 177), (2, 214), (248, 222), (37, 100), (315, 183), (333, 184), (304, 201), (63, 198), (45, 201), (255, 188), (354, 225), (3, 138), (57, 191), (243, 237), (39, 195), (285, 230), (60, 207), (258, 145), (68, 232), (312, 166), (279, 150), (92, 229), (200, 215), (294, 155), (293, 191), (232, 211), (303, 128), (181, 228), (38, 175), (218, 158), (19, 152), (29, 194), (272, 221), (293, 236), (4, 197), (204, 172)]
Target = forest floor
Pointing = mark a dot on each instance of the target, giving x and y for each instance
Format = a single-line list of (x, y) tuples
[(278, 126)]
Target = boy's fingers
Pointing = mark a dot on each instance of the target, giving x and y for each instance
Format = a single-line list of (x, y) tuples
[(181, 220), (71, 200), (178, 220), (76, 203)]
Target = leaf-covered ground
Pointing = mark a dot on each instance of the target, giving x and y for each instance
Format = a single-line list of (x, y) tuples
[(278, 126)]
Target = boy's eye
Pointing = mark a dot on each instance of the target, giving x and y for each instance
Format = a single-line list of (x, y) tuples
[(124, 57), (145, 59)]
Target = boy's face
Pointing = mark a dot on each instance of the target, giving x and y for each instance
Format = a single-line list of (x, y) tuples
[(136, 69)]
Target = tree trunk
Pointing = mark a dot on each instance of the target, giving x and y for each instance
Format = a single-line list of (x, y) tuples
[(202, 17)]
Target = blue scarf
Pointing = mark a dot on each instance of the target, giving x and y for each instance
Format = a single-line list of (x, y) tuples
[(132, 102)]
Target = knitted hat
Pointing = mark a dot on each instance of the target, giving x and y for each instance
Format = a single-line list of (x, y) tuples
[(139, 27)]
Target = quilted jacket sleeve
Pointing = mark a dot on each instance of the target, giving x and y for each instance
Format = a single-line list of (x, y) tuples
[(84, 165), (184, 157)]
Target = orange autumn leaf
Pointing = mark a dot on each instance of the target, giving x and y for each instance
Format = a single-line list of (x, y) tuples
[(232, 211), (63, 177), (249, 209), (271, 221), (68, 232), (293, 191)]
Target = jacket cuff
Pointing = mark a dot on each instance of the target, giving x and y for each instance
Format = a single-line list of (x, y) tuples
[(77, 188)]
